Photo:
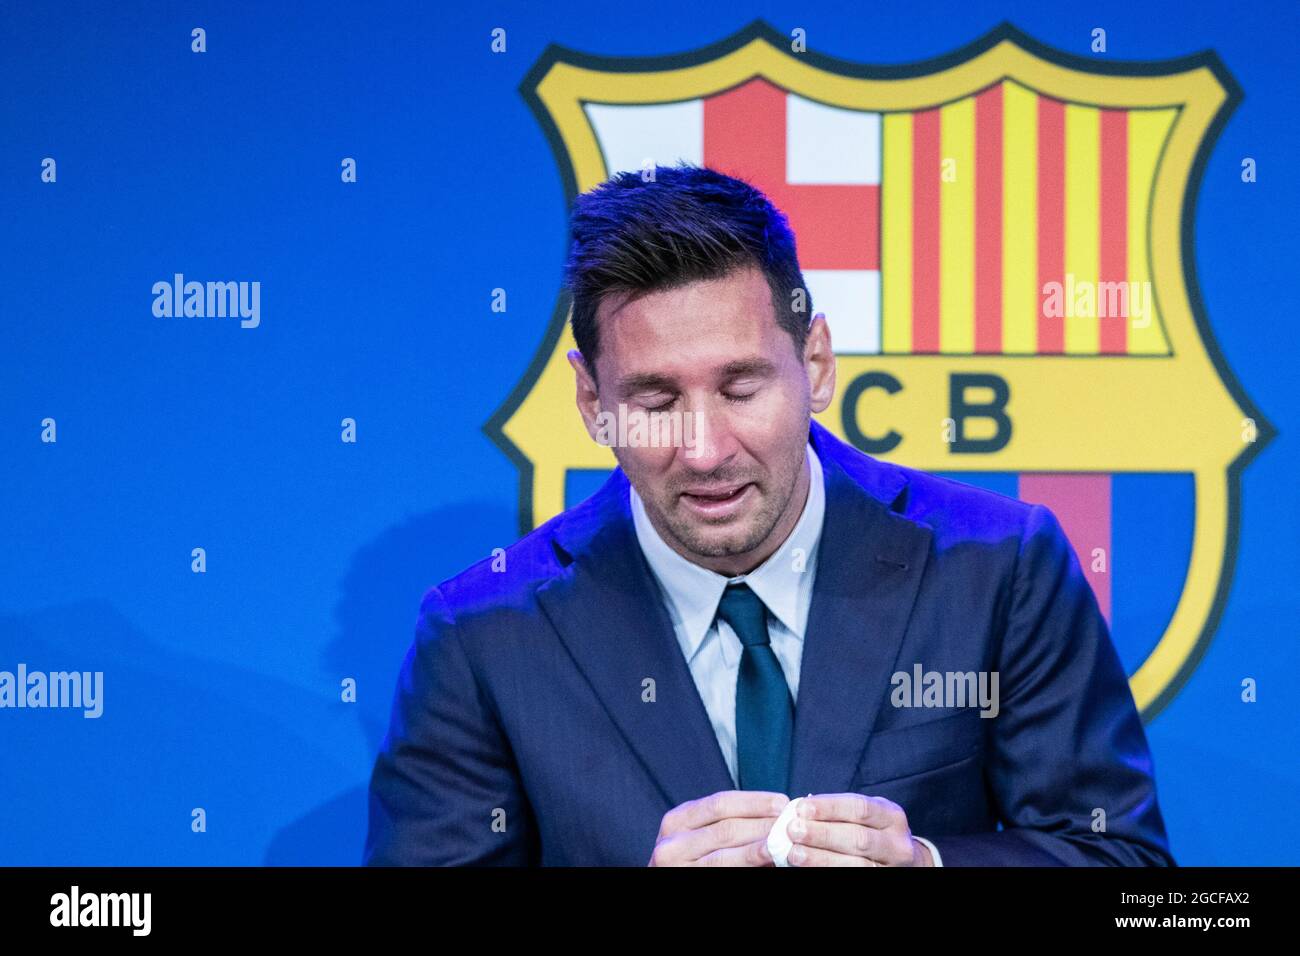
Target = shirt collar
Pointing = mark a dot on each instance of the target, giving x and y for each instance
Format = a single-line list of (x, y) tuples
[(693, 591)]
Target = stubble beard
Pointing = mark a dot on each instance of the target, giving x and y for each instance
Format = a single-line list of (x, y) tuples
[(694, 536)]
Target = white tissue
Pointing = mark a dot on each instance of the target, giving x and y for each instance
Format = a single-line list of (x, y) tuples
[(779, 843)]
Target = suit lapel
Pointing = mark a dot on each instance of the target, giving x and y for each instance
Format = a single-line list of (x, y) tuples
[(869, 567), (608, 611)]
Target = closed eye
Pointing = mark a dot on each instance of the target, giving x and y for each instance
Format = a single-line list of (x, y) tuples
[(739, 392)]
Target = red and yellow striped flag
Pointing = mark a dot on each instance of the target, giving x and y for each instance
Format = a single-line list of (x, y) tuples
[(992, 201)]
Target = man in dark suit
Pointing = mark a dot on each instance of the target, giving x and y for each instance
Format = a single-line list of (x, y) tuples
[(747, 614)]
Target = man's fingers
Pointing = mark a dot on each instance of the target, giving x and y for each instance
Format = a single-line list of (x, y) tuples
[(722, 805), (731, 832), (718, 844), (751, 854), (874, 812), (812, 856), (849, 838)]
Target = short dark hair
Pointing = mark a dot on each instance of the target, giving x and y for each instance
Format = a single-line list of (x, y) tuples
[(638, 233)]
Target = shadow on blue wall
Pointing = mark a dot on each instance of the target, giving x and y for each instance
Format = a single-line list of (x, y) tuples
[(180, 731), (376, 623)]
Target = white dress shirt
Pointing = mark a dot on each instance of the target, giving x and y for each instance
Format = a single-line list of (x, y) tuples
[(784, 583)]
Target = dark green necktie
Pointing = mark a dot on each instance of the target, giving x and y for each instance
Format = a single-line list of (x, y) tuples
[(764, 709)]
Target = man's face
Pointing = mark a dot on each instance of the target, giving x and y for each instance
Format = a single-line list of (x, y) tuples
[(712, 350)]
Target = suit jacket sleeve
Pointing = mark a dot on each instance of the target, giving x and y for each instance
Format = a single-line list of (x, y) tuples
[(445, 789), (1068, 741)]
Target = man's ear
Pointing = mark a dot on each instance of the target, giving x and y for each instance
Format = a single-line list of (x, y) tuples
[(819, 363), (585, 386)]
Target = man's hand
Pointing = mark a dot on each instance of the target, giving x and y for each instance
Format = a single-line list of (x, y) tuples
[(849, 829), (728, 828)]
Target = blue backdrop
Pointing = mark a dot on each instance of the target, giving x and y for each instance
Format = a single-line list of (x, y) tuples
[(222, 689)]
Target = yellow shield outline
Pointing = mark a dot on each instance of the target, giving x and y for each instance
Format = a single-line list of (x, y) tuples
[(1193, 410)]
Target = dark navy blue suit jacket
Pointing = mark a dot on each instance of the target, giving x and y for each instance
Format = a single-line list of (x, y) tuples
[(521, 734)]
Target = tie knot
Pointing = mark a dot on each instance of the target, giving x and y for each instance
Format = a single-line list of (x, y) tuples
[(741, 608)]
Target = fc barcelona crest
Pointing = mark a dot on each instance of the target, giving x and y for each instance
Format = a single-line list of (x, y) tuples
[(1002, 243)]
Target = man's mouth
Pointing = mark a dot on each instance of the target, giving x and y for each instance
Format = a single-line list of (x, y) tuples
[(718, 502)]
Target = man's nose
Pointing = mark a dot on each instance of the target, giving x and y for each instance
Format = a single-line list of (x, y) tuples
[(707, 442)]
